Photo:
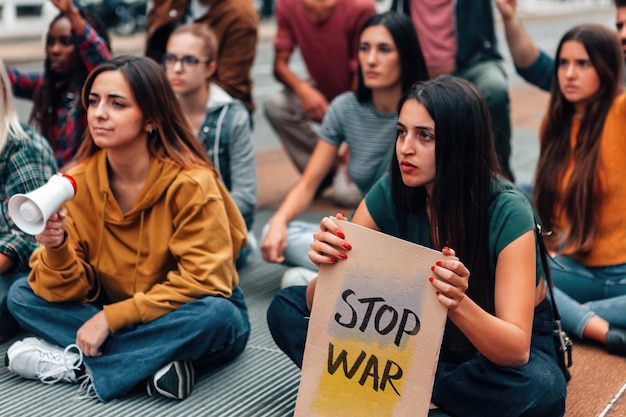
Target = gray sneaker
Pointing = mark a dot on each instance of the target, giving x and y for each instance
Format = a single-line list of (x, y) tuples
[(34, 358), (175, 380)]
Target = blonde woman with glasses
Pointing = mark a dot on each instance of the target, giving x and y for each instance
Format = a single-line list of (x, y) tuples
[(221, 122)]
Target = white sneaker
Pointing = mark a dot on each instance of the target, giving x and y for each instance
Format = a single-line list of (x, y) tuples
[(34, 358), (252, 244), (297, 276)]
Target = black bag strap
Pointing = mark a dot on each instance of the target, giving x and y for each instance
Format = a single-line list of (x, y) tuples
[(543, 252), (546, 269), (564, 340)]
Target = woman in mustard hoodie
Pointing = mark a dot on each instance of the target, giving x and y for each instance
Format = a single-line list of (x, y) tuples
[(134, 279)]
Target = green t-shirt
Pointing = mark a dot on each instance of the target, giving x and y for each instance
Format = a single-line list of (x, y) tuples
[(511, 215)]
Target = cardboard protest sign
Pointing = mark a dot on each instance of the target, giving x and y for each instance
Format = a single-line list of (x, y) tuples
[(375, 331)]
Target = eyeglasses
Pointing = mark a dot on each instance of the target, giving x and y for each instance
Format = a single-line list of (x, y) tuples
[(186, 62)]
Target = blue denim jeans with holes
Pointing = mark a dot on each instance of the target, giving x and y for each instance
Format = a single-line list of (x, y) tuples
[(583, 291), (209, 332)]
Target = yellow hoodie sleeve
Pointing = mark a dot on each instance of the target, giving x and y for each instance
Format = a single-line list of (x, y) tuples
[(61, 274)]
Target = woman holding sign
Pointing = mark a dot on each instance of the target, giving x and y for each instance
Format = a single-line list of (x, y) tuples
[(444, 192)]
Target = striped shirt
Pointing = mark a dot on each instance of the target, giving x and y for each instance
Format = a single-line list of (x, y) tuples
[(369, 135), (25, 164)]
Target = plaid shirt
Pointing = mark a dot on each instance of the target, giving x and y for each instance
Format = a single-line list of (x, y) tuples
[(71, 118), (25, 164)]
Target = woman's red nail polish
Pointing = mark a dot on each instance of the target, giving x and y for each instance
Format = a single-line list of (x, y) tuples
[(446, 248), (341, 212), (438, 263), (431, 279), (346, 245), (342, 255), (332, 260), (432, 268), (437, 293), (340, 234)]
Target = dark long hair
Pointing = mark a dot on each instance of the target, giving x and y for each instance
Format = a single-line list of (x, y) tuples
[(466, 168), (172, 137), (578, 200), (47, 100), (413, 65)]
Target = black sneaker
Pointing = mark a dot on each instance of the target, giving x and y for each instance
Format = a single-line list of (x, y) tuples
[(175, 380)]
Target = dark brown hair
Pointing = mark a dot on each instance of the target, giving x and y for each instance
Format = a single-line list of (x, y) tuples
[(412, 63), (578, 199), (466, 169), (172, 137)]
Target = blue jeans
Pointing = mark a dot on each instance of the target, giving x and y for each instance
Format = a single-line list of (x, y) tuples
[(475, 387), (209, 331), (288, 321), (535, 389), (583, 292), (299, 239)]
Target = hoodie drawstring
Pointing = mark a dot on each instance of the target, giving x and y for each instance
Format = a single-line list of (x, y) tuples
[(100, 242), (138, 253)]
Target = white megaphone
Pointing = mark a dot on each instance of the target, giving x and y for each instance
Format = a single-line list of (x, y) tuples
[(31, 211)]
